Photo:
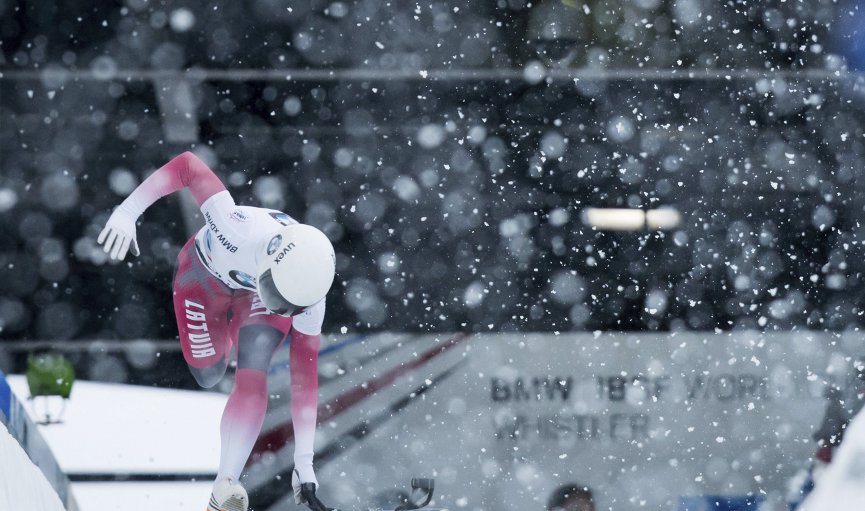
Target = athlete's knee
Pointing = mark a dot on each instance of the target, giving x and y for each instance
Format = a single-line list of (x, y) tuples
[(256, 344), (250, 382), (209, 376)]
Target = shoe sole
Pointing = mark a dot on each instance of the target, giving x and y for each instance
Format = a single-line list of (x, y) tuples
[(231, 504)]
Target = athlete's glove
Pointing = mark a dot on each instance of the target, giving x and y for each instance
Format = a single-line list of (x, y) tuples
[(118, 236), (302, 486)]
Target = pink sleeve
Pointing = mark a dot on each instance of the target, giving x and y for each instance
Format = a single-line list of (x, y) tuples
[(184, 171)]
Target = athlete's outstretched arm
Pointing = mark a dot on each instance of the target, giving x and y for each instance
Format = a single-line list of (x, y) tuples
[(303, 366), (184, 171)]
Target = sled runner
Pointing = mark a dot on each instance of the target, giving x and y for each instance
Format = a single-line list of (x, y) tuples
[(421, 495)]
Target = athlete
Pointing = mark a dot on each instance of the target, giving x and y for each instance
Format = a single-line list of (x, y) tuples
[(248, 279)]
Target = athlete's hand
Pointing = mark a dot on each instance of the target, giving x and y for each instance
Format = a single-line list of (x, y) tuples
[(118, 236), (297, 481)]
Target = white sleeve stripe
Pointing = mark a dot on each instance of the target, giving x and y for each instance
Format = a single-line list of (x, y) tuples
[(220, 196)]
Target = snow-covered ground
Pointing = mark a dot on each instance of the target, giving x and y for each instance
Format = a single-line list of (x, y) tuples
[(122, 430), (22, 485), (150, 496)]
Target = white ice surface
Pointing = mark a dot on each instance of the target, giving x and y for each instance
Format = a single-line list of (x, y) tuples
[(126, 429), (179, 496)]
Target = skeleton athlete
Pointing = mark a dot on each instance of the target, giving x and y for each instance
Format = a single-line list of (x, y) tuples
[(249, 278)]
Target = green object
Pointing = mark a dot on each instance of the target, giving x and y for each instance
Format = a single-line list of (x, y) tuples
[(50, 375), (570, 3)]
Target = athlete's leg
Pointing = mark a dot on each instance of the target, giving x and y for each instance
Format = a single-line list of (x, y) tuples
[(247, 404), (303, 367), (201, 304), (259, 335)]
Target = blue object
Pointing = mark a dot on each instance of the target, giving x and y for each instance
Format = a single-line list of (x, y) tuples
[(720, 503), (847, 36), (5, 399)]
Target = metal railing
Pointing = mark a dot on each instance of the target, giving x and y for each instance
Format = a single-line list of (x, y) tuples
[(529, 73)]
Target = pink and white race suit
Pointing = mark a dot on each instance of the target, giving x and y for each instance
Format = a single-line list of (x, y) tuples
[(217, 307)]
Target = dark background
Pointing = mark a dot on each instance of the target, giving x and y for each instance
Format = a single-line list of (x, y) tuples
[(454, 201)]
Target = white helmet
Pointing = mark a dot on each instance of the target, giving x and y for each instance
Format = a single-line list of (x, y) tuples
[(296, 269)]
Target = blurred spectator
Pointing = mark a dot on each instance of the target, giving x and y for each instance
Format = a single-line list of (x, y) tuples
[(842, 486), (571, 497), (844, 403), (558, 33)]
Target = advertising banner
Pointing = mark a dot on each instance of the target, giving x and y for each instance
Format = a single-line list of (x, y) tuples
[(645, 421)]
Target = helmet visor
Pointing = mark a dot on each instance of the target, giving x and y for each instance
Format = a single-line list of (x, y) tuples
[(272, 299)]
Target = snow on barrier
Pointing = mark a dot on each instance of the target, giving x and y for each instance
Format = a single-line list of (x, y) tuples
[(667, 421), (30, 478)]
